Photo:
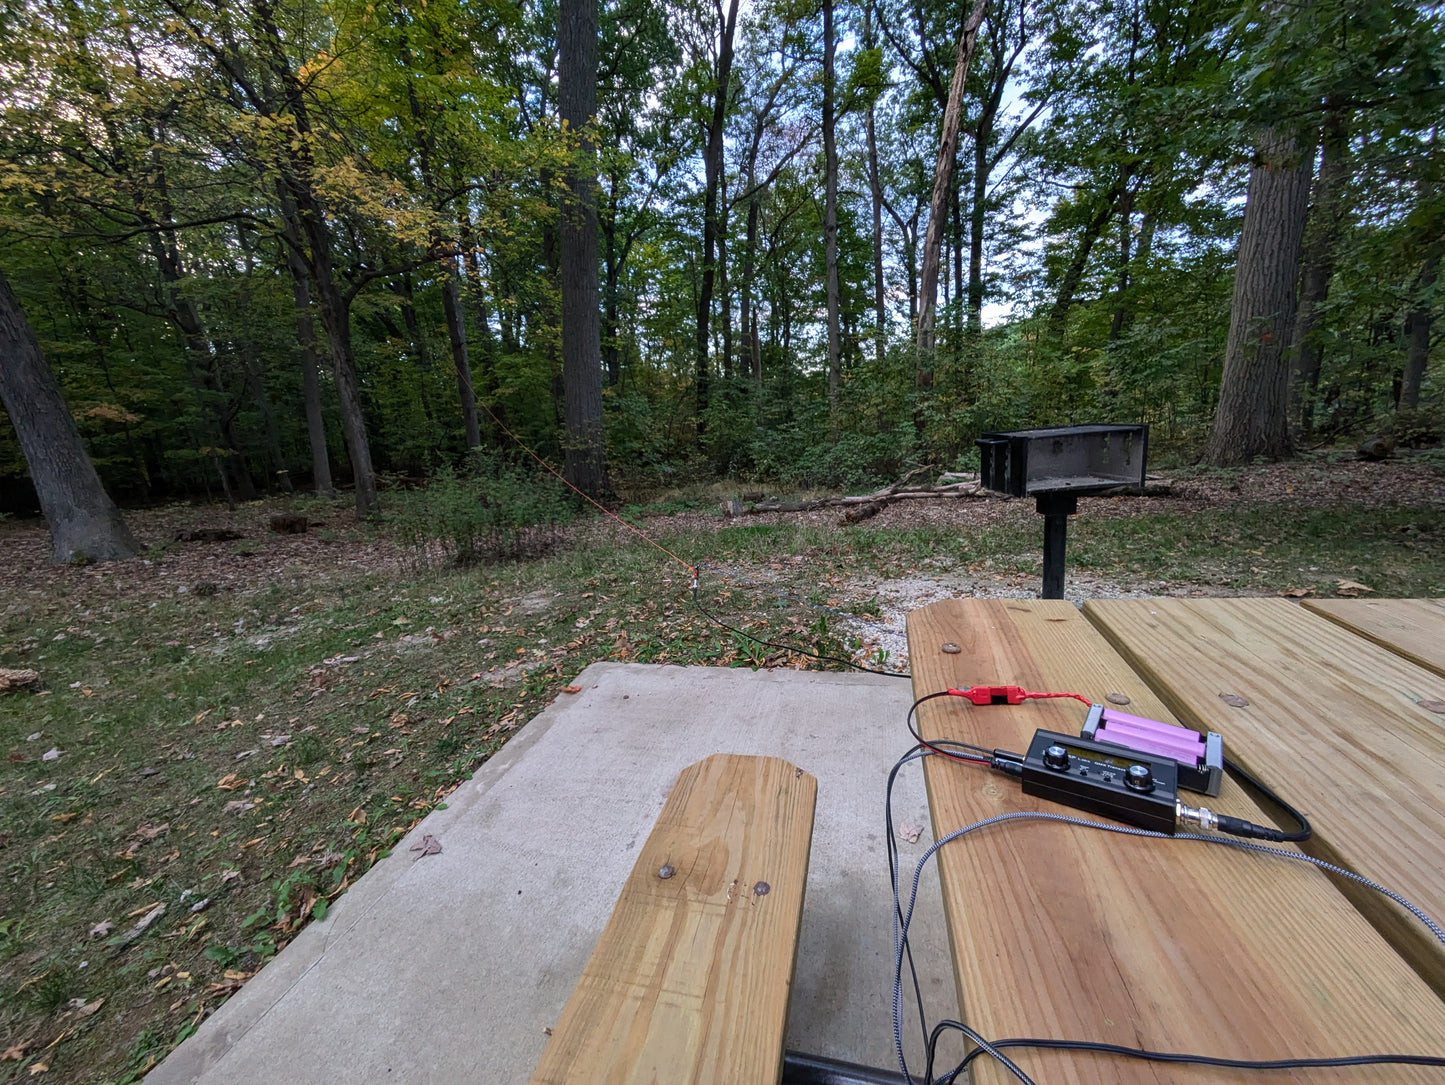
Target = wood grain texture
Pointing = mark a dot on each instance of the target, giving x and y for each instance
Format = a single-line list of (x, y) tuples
[(1074, 933), (690, 979), (1332, 725), (1413, 628)]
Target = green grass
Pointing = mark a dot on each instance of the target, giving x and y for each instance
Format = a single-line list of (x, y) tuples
[(152, 700)]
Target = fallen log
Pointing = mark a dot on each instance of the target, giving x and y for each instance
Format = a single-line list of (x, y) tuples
[(880, 498)]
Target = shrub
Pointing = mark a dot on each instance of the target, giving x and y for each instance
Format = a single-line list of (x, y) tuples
[(492, 510)]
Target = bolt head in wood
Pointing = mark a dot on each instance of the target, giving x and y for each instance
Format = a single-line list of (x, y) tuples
[(666, 872)]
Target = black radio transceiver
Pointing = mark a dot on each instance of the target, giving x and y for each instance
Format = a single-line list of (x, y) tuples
[(1111, 781)]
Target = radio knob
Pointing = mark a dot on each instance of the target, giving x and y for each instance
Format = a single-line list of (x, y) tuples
[(1056, 757), (1139, 778)]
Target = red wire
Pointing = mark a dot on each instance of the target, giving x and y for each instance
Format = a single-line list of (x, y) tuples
[(1044, 696)]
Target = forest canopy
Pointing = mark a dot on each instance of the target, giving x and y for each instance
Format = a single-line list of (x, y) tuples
[(268, 244)]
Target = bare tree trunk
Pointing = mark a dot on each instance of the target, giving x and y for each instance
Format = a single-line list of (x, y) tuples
[(84, 523), (585, 463), (1253, 414), (875, 188), (1322, 235), (875, 191), (310, 376), (456, 319), (830, 219), (942, 175), (1417, 330), (712, 169), (1074, 273)]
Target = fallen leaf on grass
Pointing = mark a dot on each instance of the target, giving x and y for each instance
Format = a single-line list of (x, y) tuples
[(230, 782), (101, 929), (238, 806), (16, 1052), (429, 845), (89, 1008), (1350, 589), (1295, 593), (51, 754), (147, 831), (38, 1068), (227, 875)]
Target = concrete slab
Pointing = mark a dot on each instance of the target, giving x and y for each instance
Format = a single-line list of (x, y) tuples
[(450, 968)]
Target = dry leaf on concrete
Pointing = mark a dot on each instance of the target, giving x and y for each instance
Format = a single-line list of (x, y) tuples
[(429, 845)]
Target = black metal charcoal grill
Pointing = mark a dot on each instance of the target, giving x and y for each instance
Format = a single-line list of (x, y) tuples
[(1055, 466)]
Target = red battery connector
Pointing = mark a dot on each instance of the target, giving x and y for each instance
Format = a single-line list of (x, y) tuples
[(986, 695)]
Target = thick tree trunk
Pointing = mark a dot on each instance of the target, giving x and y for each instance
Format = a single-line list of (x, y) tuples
[(84, 523), (1318, 258), (1253, 414), (712, 170), (1417, 335), (830, 219), (585, 464), (942, 176)]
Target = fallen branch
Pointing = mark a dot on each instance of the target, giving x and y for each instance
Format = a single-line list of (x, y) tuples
[(880, 498)]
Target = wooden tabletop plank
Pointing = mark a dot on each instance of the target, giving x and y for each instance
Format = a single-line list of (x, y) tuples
[(690, 979), (1413, 628), (1073, 933), (1332, 724)]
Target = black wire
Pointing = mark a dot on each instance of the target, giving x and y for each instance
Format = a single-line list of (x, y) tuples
[(787, 647), (1181, 1057), (1304, 830), (938, 746)]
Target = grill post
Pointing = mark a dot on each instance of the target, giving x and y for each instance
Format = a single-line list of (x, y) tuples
[(1056, 509)]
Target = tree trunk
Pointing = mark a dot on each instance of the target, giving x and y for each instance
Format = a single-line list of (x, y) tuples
[(1417, 331), (310, 377), (712, 169), (1318, 257), (1074, 273), (942, 175), (1253, 414), (585, 464), (830, 220), (457, 332), (875, 189), (84, 523)]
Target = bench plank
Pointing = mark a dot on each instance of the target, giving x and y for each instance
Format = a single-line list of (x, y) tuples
[(1413, 628), (1332, 724), (690, 979), (1073, 933)]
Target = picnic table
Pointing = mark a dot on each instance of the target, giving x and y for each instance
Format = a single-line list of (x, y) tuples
[(1065, 932)]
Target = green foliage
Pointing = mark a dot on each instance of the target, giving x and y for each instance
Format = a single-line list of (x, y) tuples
[(492, 510)]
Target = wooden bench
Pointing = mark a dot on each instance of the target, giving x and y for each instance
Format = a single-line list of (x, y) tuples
[(690, 979), (1074, 933)]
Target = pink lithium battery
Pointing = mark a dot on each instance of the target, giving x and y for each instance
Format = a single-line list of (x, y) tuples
[(1200, 757)]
